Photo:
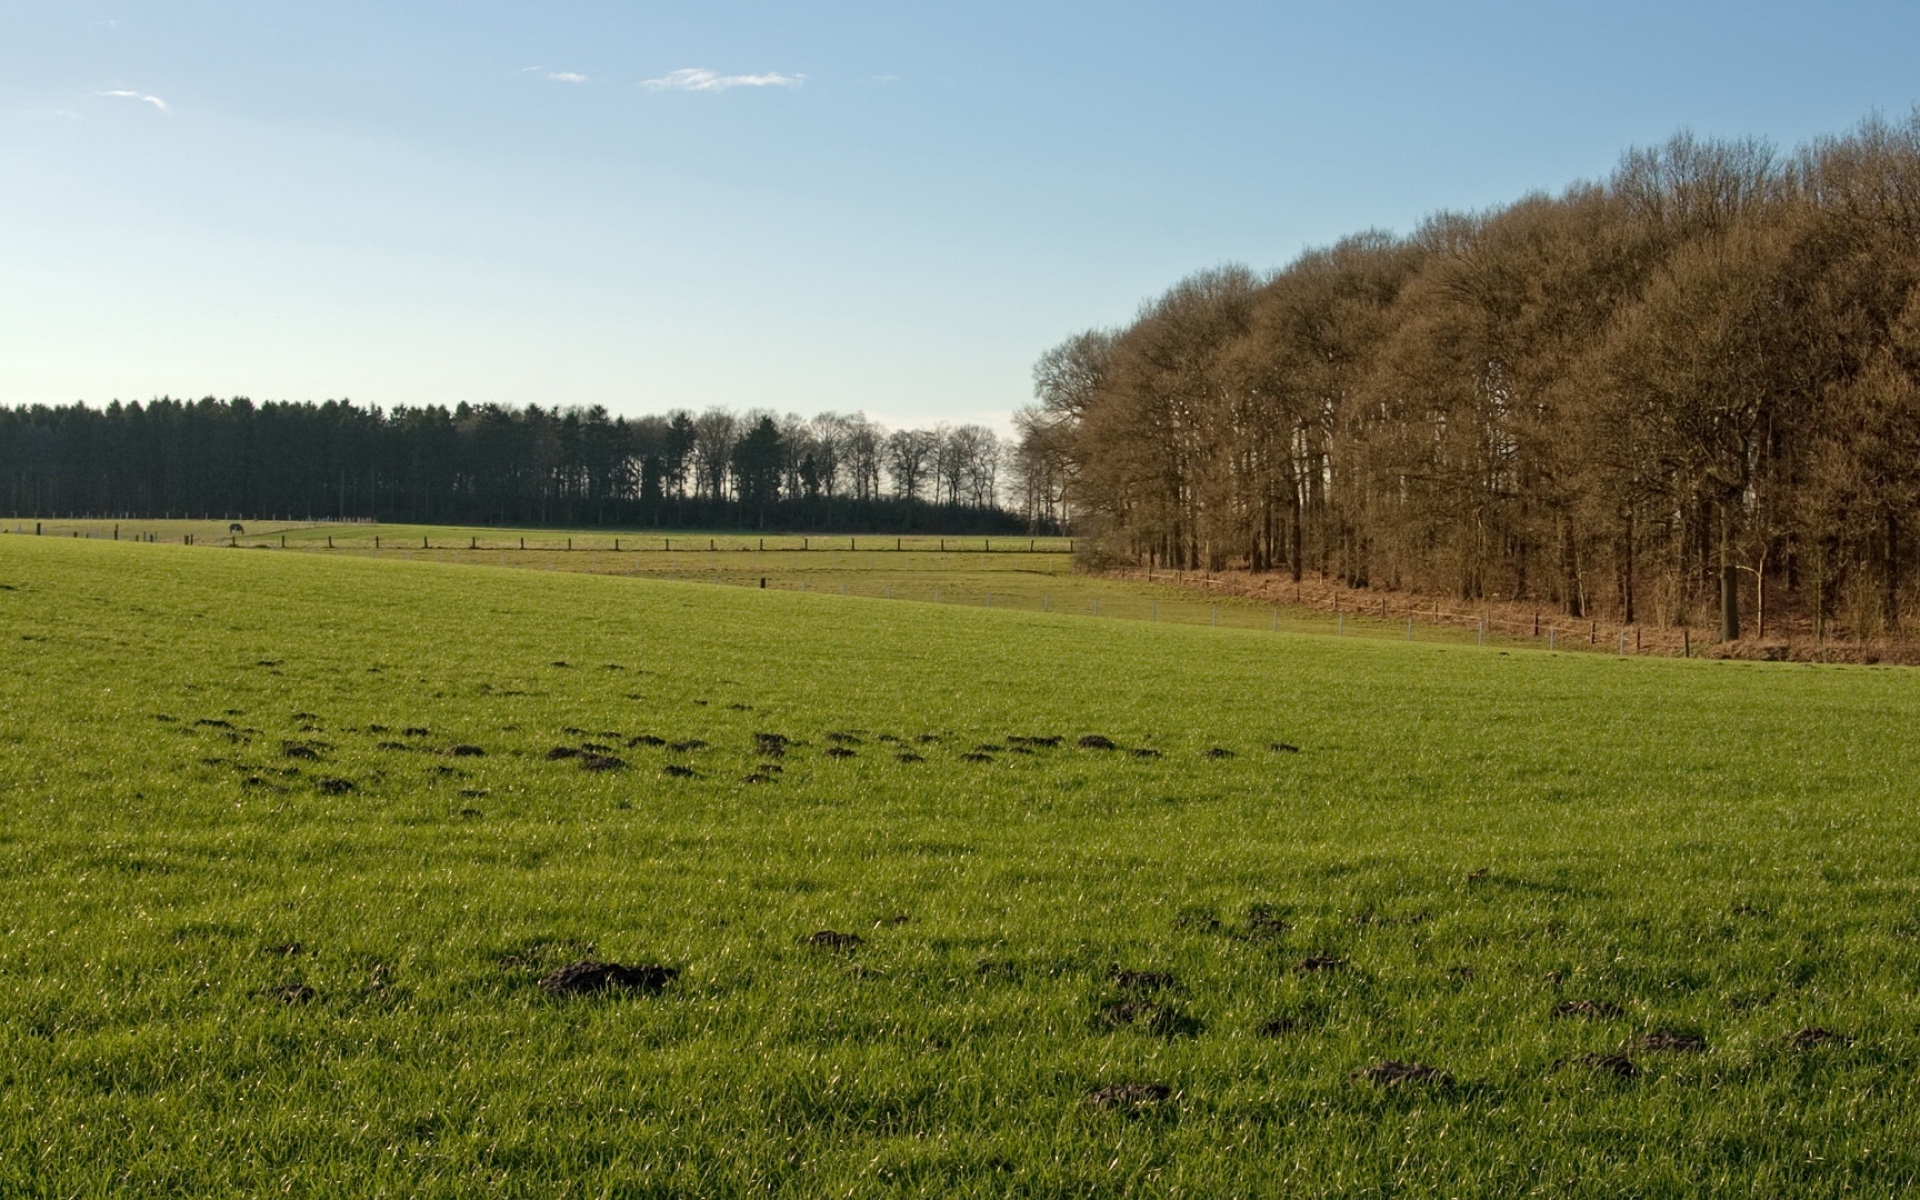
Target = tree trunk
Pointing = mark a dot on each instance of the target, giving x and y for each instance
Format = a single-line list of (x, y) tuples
[(1729, 580)]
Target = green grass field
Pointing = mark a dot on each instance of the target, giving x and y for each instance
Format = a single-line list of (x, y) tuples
[(1034, 574), (284, 856)]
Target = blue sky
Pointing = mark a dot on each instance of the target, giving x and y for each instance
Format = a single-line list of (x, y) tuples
[(893, 207)]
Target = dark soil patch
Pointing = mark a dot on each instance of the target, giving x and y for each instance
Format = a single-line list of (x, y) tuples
[(1669, 1041), (464, 751), (299, 716), (415, 731), (976, 756), (284, 949), (990, 748), (470, 814), (757, 777), (1202, 919), (1750, 910), (1320, 962), (601, 762), (294, 993), (588, 976), (336, 787), (924, 738), (675, 771), (1595, 1010), (1389, 1073), (829, 939), (1094, 741), (1461, 974), (1218, 752), (214, 723), (1042, 743), (573, 731), (561, 752), (844, 739), (1617, 1065), (908, 756), (378, 729), (1144, 752), (300, 751), (562, 665), (841, 752), (1130, 1097), (645, 739), (1141, 981), (1264, 920), (1160, 1020), (773, 745), (596, 748), (1813, 1035), (689, 744), (1283, 747)]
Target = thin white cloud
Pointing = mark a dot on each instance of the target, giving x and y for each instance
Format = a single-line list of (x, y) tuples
[(566, 76), (142, 97), (694, 79)]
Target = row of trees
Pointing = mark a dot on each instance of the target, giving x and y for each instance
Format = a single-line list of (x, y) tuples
[(493, 464), (1648, 398)]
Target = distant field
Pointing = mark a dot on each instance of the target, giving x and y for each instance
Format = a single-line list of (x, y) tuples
[(1036, 574), (289, 840)]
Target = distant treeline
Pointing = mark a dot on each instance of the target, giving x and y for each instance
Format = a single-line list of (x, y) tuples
[(1663, 395), (508, 466)]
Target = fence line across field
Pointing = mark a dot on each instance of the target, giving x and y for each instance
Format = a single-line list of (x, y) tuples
[(1621, 639)]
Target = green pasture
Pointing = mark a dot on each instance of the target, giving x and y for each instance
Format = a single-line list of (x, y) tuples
[(288, 842), (1034, 574)]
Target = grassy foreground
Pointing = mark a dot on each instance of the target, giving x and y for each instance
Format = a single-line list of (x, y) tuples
[(284, 857)]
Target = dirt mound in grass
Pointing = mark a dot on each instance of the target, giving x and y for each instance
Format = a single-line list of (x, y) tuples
[(1141, 981), (563, 752), (601, 762), (841, 752), (1813, 1035), (1160, 1020), (1617, 1065), (1094, 741), (1669, 1041), (1389, 1073), (674, 771), (829, 939), (1597, 1010), (465, 751), (587, 976), (976, 756), (908, 756), (1130, 1097)]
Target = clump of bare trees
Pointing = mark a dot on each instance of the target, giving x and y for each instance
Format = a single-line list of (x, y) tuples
[(1684, 390)]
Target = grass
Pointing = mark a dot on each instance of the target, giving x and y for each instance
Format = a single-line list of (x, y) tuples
[(222, 973), (1033, 574)]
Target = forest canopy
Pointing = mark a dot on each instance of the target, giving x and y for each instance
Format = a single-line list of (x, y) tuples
[(500, 465), (1643, 399)]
